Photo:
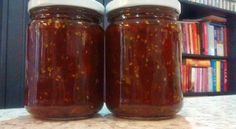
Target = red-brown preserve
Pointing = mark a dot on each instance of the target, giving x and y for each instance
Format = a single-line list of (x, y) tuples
[(64, 62), (143, 59)]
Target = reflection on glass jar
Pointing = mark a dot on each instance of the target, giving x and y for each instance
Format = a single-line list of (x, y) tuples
[(143, 62)]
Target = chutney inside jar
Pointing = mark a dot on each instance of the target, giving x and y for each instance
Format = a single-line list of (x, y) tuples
[(64, 63), (143, 62)]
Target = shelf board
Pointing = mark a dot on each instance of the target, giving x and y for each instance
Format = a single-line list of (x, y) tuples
[(204, 57), (208, 94), (208, 6)]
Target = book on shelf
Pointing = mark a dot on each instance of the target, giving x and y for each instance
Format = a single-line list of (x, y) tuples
[(205, 36), (202, 76), (223, 4)]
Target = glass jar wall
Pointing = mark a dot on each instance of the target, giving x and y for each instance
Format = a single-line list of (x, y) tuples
[(64, 63), (143, 62)]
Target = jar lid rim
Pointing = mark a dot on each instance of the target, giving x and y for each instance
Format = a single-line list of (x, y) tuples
[(117, 4), (89, 4)]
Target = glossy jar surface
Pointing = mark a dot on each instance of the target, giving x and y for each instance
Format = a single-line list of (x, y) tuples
[(143, 63), (64, 63)]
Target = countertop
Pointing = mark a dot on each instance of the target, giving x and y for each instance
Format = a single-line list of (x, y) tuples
[(198, 113)]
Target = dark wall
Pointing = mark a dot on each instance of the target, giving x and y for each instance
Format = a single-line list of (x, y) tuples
[(17, 16), (232, 54), (2, 86), (14, 16), (3, 30)]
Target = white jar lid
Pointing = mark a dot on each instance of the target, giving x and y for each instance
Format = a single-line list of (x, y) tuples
[(89, 4), (117, 4)]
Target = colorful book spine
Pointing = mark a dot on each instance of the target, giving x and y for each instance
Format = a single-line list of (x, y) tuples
[(197, 79), (184, 46), (206, 76), (211, 40), (200, 87), (216, 37), (206, 80), (225, 76), (188, 79), (218, 76), (213, 65), (195, 39), (193, 80), (198, 63), (205, 38), (222, 76), (187, 39), (191, 39), (203, 80), (225, 42), (199, 31), (210, 80)]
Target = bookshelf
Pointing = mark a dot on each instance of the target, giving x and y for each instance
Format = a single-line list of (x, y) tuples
[(190, 3), (193, 10), (192, 56), (208, 94)]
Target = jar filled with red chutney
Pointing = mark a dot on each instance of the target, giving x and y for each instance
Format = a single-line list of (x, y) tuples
[(143, 59), (65, 59)]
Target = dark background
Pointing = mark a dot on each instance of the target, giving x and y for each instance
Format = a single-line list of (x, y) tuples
[(12, 46)]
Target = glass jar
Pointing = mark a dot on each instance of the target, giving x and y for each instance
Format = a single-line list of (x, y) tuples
[(143, 59), (65, 59)]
